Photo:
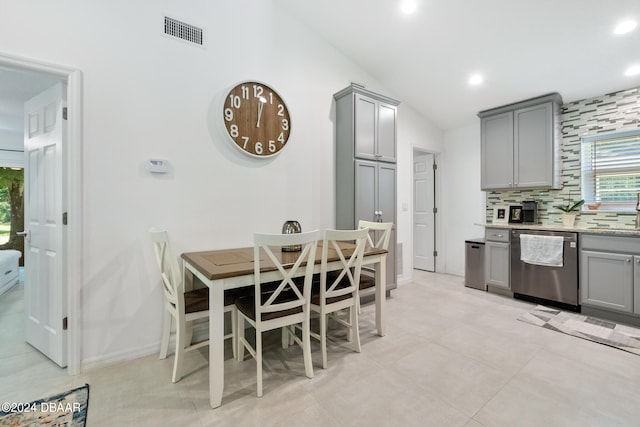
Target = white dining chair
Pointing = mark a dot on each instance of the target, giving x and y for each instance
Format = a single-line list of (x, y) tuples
[(338, 290), (381, 232), (287, 303), (184, 307)]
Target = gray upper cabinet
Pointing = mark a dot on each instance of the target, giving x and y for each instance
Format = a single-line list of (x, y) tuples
[(520, 145), (365, 163), (371, 133), (497, 151)]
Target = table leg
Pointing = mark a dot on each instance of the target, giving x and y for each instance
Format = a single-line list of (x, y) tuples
[(216, 343), (381, 294)]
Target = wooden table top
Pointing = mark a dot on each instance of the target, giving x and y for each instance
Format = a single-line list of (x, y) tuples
[(225, 263)]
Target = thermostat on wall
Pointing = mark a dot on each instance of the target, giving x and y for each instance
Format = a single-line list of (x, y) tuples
[(158, 166)]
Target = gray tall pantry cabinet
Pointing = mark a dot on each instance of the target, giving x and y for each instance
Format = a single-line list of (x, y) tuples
[(366, 163)]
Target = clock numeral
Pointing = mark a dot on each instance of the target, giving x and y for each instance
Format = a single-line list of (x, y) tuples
[(281, 138), (235, 101), (271, 98), (281, 110), (233, 130), (257, 91), (228, 114), (272, 146), (245, 92), (285, 124), (246, 141), (258, 147)]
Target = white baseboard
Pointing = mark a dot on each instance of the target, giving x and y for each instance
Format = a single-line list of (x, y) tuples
[(200, 333), (115, 357)]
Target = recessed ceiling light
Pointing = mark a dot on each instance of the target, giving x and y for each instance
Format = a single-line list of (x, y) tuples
[(476, 79), (634, 70), (408, 6), (625, 27)]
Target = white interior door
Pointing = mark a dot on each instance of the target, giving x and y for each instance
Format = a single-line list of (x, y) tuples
[(423, 213), (44, 290)]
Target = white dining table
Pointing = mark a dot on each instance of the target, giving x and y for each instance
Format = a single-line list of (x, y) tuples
[(225, 269)]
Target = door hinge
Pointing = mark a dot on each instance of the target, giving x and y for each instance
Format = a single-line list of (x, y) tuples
[(435, 166), (64, 113), (64, 218), (65, 323), (435, 253), (435, 210)]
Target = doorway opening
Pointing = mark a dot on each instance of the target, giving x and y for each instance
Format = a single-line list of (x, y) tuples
[(11, 209), (20, 80), (425, 211)]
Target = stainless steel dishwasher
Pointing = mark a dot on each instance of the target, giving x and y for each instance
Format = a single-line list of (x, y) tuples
[(554, 284)]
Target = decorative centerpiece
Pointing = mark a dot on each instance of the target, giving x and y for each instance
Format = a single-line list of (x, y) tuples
[(569, 215), (290, 227)]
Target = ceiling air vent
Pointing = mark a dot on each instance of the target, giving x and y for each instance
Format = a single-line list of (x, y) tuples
[(183, 31)]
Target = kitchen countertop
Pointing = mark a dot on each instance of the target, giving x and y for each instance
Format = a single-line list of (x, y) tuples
[(631, 232)]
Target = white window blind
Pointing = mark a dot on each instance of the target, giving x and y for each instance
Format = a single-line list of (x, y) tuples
[(611, 169)]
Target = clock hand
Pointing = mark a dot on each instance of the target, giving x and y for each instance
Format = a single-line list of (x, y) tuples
[(261, 103)]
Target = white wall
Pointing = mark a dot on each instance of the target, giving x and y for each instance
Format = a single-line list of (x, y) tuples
[(463, 200), (146, 95)]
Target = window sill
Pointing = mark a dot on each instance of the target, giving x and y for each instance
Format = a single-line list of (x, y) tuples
[(618, 211)]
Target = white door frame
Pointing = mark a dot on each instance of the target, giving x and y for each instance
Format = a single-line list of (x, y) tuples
[(439, 241), (73, 188)]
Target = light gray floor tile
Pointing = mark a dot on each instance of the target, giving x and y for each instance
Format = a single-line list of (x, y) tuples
[(452, 356)]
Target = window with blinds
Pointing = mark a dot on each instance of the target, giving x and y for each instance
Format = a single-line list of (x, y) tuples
[(611, 169)]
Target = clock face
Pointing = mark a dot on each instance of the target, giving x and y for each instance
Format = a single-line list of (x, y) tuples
[(256, 119)]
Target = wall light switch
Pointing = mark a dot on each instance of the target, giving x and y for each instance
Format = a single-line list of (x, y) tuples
[(158, 166)]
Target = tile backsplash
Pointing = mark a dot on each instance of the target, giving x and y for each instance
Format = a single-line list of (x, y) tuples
[(607, 113)]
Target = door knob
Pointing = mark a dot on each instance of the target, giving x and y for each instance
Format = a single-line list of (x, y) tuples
[(26, 234)]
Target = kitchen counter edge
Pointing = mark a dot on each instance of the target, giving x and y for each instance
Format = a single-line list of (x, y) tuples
[(632, 232)]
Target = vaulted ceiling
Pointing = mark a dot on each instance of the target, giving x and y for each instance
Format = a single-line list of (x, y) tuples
[(523, 48)]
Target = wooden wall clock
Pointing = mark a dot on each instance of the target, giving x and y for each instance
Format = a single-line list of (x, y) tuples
[(256, 119)]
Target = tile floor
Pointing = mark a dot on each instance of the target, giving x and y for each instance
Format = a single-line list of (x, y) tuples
[(452, 356)]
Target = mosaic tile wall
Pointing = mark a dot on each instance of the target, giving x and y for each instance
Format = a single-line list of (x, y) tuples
[(611, 112)]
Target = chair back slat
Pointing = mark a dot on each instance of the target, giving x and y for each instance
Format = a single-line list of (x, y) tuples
[(384, 227), (348, 276), (168, 265), (271, 245)]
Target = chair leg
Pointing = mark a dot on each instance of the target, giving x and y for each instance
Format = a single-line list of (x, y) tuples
[(239, 337), (179, 356), (234, 332), (284, 331), (350, 328), (355, 329), (259, 362), (306, 348), (188, 327), (166, 333), (323, 339)]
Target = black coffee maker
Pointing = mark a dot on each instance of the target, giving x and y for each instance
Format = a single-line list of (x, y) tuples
[(529, 212)]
